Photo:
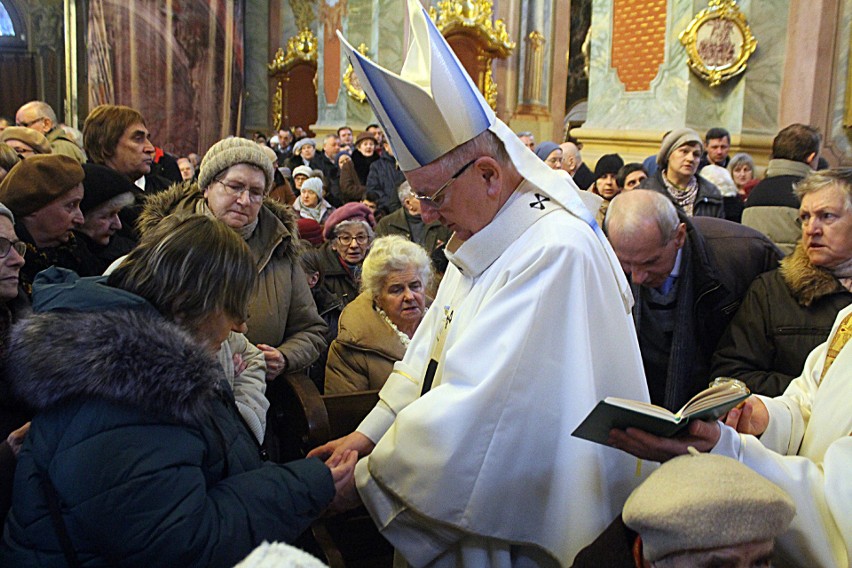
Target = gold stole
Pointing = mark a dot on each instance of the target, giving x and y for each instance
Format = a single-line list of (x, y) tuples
[(844, 332)]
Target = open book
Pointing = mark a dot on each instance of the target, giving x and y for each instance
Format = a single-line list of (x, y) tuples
[(709, 404)]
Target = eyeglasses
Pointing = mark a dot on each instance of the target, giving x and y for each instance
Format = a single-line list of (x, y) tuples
[(237, 190), (436, 199), (30, 123), (346, 240), (6, 245)]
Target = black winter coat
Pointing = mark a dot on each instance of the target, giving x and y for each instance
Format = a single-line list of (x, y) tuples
[(145, 449), (708, 202), (723, 259), (785, 314)]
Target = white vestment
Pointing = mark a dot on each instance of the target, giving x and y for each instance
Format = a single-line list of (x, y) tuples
[(482, 470), (807, 451)]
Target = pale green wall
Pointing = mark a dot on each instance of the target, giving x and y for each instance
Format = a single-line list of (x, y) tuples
[(748, 103)]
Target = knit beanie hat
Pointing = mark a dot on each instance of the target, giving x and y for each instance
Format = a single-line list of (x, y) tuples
[(721, 178), (608, 164), (102, 184), (674, 140), (704, 501), (32, 138), (303, 170), (5, 212), (37, 181), (313, 184), (270, 153), (230, 152), (297, 148), (348, 212), (310, 231), (544, 149)]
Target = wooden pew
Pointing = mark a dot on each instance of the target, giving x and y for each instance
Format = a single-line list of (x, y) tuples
[(304, 420)]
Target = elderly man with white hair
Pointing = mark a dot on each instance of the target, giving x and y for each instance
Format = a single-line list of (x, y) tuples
[(467, 459)]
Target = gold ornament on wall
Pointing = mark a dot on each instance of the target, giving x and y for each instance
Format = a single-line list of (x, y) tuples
[(302, 47), (350, 79), (473, 15), (718, 42)]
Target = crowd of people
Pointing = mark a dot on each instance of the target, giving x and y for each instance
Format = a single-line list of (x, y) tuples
[(493, 289)]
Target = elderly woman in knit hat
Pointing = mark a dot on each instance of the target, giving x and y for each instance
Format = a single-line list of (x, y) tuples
[(303, 154), (233, 182), (311, 204), (551, 154), (106, 193), (353, 174), (348, 233), (44, 193), (677, 164), (25, 141)]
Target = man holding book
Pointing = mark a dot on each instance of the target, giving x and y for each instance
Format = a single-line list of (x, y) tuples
[(688, 277), (801, 441)]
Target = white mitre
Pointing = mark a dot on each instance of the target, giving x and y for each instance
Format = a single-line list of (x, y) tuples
[(433, 106)]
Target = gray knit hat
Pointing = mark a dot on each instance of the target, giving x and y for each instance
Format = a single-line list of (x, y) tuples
[(313, 184), (674, 140), (230, 152), (5, 212), (703, 501)]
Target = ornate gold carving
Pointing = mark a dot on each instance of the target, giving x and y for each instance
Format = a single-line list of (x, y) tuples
[(278, 106), (473, 15), (718, 42), (302, 47), (490, 89), (350, 79)]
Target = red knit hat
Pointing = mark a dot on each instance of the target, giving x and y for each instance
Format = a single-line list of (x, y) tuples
[(310, 231), (348, 212)]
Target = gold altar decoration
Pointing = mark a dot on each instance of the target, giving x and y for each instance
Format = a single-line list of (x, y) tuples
[(302, 47), (718, 42), (350, 79), (474, 19)]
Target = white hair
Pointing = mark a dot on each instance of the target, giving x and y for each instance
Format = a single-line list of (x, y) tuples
[(393, 253)]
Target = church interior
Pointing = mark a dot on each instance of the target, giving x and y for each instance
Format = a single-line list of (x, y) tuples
[(613, 74)]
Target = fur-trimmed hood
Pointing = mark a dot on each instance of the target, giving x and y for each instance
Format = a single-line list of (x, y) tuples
[(125, 356), (182, 197), (806, 281)]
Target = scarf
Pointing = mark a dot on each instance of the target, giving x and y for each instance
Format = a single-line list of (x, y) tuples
[(684, 197)]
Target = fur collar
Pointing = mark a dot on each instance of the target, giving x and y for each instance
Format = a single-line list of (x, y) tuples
[(182, 197), (123, 356), (806, 281)]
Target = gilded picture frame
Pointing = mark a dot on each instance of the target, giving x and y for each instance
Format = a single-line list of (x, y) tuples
[(718, 42)]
